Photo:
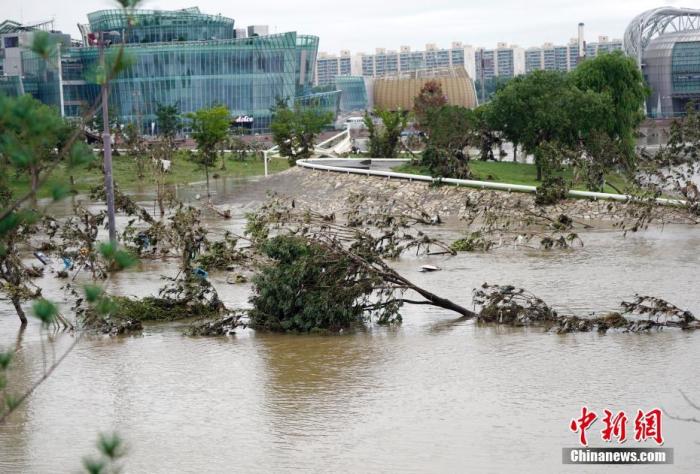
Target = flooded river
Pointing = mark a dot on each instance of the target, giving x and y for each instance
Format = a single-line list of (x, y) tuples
[(429, 396)]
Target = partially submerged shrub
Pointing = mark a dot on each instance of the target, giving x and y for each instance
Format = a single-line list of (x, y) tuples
[(516, 307), (552, 190), (474, 242), (511, 305), (308, 287), (221, 254)]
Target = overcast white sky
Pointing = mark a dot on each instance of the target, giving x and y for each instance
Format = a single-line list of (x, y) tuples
[(363, 25)]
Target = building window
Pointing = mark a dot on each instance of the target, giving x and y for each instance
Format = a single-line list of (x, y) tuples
[(12, 42)]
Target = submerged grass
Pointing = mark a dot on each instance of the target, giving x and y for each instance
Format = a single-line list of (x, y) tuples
[(183, 171), (159, 309)]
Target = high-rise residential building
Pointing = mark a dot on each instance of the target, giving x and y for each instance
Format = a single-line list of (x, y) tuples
[(389, 62), (184, 58), (504, 61), (549, 57), (329, 66)]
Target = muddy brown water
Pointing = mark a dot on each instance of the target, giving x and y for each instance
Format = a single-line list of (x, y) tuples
[(429, 396)]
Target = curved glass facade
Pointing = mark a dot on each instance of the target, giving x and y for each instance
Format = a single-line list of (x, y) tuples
[(156, 26), (191, 60), (685, 68), (354, 93), (245, 75), (671, 67)]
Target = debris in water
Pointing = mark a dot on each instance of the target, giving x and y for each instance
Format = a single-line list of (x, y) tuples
[(429, 268)]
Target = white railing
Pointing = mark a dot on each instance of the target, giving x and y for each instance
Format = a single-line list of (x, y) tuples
[(313, 164)]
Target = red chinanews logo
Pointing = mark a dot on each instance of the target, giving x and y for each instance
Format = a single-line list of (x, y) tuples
[(647, 426)]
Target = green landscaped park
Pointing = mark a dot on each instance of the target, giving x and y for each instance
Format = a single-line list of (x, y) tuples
[(182, 171)]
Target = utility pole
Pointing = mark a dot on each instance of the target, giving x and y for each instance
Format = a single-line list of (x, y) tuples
[(107, 147)]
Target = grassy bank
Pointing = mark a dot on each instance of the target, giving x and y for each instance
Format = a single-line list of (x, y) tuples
[(514, 173), (182, 171)]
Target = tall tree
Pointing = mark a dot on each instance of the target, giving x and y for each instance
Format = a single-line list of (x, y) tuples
[(450, 132), (210, 128), (169, 124), (618, 77), (384, 139), (295, 130), (545, 107), (431, 97)]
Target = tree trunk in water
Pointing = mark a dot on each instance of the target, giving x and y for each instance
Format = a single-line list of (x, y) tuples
[(434, 299), (206, 170), (161, 206), (20, 312)]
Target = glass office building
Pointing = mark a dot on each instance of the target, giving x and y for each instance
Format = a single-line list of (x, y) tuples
[(192, 60), (353, 96)]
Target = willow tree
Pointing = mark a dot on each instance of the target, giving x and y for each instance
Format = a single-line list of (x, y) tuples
[(618, 78)]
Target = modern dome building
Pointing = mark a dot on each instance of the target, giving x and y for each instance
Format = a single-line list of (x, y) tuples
[(192, 60), (400, 91), (666, 44)]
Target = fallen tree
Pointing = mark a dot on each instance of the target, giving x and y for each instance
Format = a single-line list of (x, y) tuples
[(508, 305), (324, 275)]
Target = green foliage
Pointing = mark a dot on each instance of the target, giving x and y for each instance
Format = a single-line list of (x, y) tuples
[(168, 120), (307, 288), (384, 139), (491, 86), (31, 131), (111, 449), (117, 259), (45, 311), (553, 187), (210, 128), (221, 255), (294, 131), (43, 45), (474, 242), (92, 293), (450, 132), (617, 77), (5, 359), (547, 107)]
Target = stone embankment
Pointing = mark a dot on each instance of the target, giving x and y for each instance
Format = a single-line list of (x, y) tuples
[(328, 192)]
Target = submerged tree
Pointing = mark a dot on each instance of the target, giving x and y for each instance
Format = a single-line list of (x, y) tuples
[(169, 123), (209, 129), (136, 148)]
